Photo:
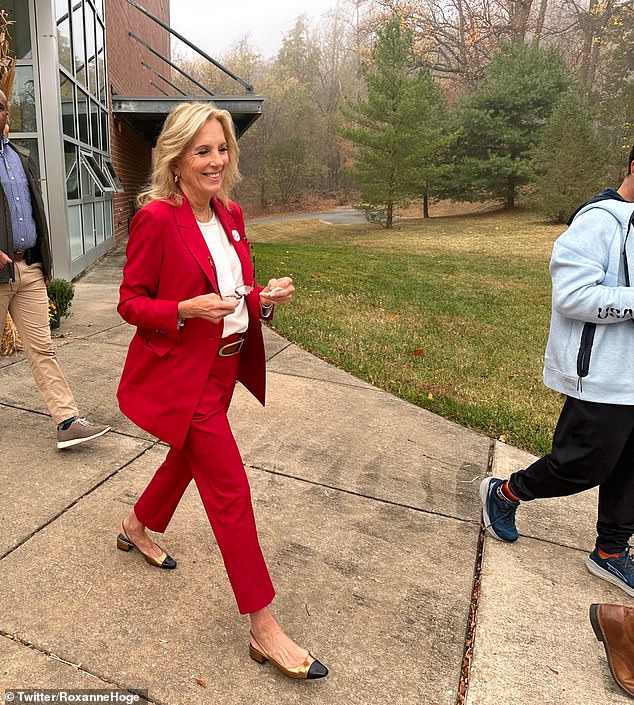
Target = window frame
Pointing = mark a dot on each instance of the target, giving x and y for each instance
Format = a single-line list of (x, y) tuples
[(96, 172)]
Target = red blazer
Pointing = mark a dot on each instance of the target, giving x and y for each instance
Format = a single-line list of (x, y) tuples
[(166, 367)]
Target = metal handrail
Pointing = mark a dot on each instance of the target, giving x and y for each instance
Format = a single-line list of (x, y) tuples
[(158, 88), (160, 75), (171, 63), (247, 86)]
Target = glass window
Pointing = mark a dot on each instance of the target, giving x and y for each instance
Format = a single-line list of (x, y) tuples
[(61, 10), (94, 123), (86, 180), (64, 49), (82, 114), (20, 32), (22, 101), (67, 92), (91, 59), (90, 177), (101, 64), (74, 232), (78, 43), (89, 226), (105, 141), (112, 174), (107, 207), (72, 169), (100, 234), (29, 143), (96, 172)]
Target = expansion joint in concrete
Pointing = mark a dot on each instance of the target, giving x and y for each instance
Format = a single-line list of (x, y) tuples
[(77, 667), (470, 637), (70, 505), (372, 498), (281, 350), (24, 408)]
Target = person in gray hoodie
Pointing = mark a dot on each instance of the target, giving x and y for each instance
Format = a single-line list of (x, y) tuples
[(589, 358)]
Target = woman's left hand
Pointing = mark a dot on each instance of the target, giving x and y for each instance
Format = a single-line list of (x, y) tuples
[(277, 291)]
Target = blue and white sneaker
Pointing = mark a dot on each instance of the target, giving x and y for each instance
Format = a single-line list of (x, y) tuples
[(498, 512), (619, 571)]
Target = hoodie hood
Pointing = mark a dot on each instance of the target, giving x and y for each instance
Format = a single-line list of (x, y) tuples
[(611, 201)]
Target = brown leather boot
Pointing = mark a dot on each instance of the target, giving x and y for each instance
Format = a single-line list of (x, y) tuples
[(614, 626)]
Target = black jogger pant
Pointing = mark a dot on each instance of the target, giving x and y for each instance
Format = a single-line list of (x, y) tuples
[(593, 445)]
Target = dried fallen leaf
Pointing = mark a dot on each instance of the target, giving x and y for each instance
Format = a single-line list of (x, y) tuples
[(430, 396), (418, 352), (68, 663), (471, 481), (200, 682), (552, 669), (504, 438)]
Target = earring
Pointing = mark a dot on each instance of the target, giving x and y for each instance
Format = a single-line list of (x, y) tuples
[(175, 178)]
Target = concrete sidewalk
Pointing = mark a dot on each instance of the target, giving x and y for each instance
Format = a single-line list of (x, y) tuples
[(369, 517)]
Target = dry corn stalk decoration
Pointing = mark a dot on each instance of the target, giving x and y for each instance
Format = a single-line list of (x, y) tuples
[(7, 61), (10, 338)]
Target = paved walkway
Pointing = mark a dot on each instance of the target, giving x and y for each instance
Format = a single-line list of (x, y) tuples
[(369, 517), (341, 215)]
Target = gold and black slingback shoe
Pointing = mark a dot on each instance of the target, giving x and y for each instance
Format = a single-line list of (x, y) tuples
[(310, 669), (163, 561)]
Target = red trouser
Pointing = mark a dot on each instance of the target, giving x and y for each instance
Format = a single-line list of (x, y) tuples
[(210, 455)]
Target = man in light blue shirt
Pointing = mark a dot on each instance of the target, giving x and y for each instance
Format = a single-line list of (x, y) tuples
[(25, 265)]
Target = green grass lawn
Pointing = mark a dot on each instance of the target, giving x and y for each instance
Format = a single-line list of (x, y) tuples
[(450, 313)]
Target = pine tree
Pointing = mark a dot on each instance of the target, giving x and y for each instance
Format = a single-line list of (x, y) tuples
[(398, 129), (616, 102), (501, 122), (572, 162)]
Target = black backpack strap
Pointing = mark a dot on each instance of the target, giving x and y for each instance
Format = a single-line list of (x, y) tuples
[(626, 269), (605, 195)]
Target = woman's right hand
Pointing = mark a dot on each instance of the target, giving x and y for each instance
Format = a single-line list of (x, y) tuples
[(211, 307)]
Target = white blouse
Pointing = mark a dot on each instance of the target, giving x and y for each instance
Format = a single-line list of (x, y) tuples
[(228, 273)]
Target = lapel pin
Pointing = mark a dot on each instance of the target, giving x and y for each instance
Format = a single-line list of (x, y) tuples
[(236, 235)]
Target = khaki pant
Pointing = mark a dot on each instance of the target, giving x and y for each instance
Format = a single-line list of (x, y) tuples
[(27, 302)]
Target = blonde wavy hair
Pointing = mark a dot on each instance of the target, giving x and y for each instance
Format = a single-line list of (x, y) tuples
[(179, 129)]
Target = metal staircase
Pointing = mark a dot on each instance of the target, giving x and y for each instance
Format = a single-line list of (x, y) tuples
[(147, 113)]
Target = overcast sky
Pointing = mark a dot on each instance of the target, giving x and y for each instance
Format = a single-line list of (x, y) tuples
[(215, 26)]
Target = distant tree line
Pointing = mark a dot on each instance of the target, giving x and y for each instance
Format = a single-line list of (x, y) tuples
[(387, 102)]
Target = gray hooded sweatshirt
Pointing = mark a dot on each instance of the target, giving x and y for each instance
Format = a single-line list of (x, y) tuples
[(590, 350)]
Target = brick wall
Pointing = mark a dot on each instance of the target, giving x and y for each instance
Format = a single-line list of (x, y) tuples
[(131, 154), (125, 73), (132, 160)]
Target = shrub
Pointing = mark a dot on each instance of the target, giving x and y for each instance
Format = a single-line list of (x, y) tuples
[(60, 295)]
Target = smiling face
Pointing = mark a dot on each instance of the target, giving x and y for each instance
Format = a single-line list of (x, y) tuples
[(200, 167)]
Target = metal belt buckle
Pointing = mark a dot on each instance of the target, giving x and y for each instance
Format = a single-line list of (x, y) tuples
[(231, 348)]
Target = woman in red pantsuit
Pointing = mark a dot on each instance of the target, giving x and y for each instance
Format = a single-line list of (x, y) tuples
[(189, 288)]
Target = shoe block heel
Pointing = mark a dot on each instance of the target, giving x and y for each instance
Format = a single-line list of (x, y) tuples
[(594, 620), (256, 655), (122, 544)]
